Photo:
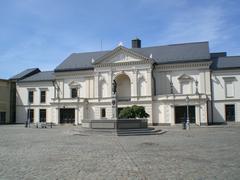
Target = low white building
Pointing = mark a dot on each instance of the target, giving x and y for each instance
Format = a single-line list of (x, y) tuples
[(162, 79)]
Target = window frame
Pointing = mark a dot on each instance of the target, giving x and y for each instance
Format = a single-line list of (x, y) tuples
[(30, 97), (41, 100), (40, 114), (76, 95)]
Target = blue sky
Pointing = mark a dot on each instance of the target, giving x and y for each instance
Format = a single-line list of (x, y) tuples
[(42, 33)]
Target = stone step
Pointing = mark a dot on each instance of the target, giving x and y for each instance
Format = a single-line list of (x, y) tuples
[(137, 132)]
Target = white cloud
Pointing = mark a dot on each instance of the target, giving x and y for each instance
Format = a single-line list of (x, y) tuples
[(197, 24)]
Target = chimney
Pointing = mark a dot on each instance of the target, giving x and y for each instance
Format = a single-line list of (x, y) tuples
[(136, 43)]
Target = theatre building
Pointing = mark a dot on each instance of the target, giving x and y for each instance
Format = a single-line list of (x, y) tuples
[(165, 80)]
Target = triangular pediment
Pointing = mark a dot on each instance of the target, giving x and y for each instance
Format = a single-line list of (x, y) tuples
[(185, 77), (74, 84), (122, 55)]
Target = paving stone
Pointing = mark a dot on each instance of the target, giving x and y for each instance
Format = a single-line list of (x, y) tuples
[(70, 152)]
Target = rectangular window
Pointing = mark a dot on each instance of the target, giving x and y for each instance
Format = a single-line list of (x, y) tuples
[(103, 112), (230, 112), (2, 117), (229, 89), (43, 96), (74, 92), (42, 115), (30, 114), (30, 96)]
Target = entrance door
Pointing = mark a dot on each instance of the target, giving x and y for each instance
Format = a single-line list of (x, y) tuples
[(230, 112), (67, 116), (181, 114)]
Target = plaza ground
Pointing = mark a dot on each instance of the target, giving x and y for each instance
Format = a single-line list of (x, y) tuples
[(70, 152)]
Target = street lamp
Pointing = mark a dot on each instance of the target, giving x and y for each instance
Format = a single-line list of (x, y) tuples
[(187, 122)]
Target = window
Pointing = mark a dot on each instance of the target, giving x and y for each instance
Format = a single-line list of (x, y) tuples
[(42, 114), (43, 96), (30, 96), (230, 112), (30, 115), (74, 92), (229, 89), (103, 112), (2, 117)]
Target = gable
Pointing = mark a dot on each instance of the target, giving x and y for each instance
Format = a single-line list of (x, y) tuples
[(122, 55)]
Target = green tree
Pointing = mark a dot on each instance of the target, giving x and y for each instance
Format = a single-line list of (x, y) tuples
[(133, 112)]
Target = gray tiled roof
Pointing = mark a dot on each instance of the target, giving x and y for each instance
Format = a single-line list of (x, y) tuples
[(161, 54), (78, 61), (177, 52), (229, 62), (25, 73), (41, 76)]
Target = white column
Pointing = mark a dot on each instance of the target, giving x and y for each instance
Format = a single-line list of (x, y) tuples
[(110, 80), (149, 82), (57, 120), (198, 114), (96, 84), (134, 89), (208, 82), (76, 116), (172, 114)]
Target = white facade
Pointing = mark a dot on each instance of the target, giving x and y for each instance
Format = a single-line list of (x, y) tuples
[(226, 91), (162, 89)]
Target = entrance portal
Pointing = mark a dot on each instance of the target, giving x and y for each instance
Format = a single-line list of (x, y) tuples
[(67, 116), (181, 114), (123, 87)]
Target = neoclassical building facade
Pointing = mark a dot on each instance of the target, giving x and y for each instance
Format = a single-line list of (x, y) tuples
[(165, 80)]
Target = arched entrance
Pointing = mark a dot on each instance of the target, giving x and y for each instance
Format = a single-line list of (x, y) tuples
[(123, 87)]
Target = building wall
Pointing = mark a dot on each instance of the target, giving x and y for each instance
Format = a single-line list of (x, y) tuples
[(149, 87), (5, 98), (22, 104), (220, 99)]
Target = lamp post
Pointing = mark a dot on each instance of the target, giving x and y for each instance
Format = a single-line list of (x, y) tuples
[(187, 121)]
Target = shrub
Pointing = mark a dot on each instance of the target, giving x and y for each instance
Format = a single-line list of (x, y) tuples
[(133, 112)]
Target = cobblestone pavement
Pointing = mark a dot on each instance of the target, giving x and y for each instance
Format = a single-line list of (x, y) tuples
[(68, 152)]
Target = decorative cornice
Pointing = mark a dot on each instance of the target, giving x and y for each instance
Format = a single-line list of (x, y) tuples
[(195, 65), (122, 63)]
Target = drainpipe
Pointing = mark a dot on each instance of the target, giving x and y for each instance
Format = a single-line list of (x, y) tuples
[(211, 87)]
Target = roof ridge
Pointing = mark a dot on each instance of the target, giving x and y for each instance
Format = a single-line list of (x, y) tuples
[(90, 52), (177, 44), (230, 56)]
